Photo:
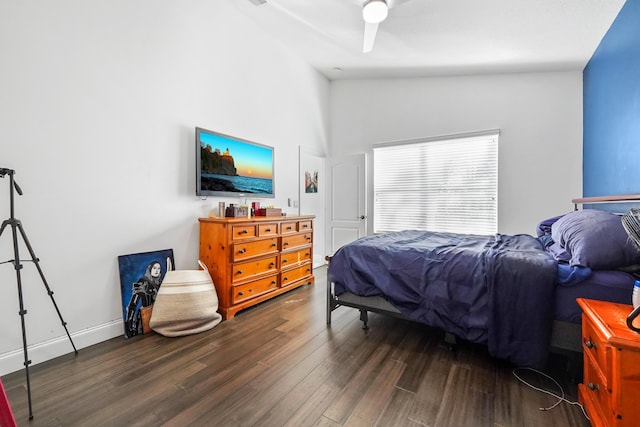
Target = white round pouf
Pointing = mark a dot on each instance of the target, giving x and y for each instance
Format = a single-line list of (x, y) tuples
[(186, 303)]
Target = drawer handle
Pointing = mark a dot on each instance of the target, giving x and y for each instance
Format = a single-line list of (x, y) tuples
[(273, 244), (305, 226), (240, 294), (285, 244), (239, 272), (589, 344), (271, 264), (241, 251), (289, 228), (284, 260), (593, 386), (284, 279), (309, 239), (268, 230), (244, 232), (273, 282)]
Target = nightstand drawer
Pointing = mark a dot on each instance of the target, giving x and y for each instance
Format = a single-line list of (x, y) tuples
[(596, 349), (595, 391)]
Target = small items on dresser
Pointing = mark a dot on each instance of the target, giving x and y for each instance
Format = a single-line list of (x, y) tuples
[(234, 211), (269, 212)]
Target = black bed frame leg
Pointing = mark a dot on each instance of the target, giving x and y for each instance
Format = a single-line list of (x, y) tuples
[(364, 316), (450, 340)]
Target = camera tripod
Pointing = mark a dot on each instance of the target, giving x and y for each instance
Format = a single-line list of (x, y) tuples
[(16, 227)]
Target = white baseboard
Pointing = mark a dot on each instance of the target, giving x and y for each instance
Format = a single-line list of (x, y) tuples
[(318, 261), (13, 361)]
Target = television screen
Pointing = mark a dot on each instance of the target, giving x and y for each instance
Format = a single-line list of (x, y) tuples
[(230, 167)]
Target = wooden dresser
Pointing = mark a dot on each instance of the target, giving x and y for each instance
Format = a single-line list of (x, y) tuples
[(253, 259), (611, 389)]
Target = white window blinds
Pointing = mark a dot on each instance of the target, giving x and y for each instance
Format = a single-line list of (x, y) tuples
[(438, 184)]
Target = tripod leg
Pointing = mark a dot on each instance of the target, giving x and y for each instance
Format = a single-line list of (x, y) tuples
[(18, 266), (36, 261)]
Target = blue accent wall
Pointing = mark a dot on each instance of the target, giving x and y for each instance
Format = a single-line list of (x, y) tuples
[(611, 111)]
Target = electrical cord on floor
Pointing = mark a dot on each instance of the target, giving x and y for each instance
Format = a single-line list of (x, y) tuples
[(560, 397)]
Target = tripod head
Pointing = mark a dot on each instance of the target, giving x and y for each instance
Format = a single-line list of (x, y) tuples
[(13, 183), (5, 171)]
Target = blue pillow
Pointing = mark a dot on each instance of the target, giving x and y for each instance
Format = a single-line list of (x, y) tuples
[(595, 239)]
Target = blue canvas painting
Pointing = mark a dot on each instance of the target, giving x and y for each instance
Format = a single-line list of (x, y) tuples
[(140, 278)]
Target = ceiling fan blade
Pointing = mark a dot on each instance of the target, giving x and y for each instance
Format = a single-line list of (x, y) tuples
[(370, 31), (394, 3)]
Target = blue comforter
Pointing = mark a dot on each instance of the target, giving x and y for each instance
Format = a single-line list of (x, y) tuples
[(495, 290)]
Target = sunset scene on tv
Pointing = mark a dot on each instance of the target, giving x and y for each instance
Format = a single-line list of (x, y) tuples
[(234, 165)]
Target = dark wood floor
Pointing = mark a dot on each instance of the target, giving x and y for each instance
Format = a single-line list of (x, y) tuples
[(278, 364)]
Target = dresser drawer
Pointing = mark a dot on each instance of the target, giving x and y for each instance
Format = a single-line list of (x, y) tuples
[(243, 231), (595, 347), (245, 250), (305, 225), (293, 258), (289, 227), (268, 229), (253, 289), (296, 240), (291, 276), (246, 270)]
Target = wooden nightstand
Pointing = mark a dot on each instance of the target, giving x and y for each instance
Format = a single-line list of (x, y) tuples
[(611, 389)]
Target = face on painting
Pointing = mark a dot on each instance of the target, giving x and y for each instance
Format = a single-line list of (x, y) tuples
[(156, 269)]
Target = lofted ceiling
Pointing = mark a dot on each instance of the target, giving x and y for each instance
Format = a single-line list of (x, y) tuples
[(438, 37)]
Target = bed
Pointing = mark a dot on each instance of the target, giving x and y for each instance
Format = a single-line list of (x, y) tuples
[(514, 293)]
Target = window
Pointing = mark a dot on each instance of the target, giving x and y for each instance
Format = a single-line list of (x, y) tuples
[(447, 184)]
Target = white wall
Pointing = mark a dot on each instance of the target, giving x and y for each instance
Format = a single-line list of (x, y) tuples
[(314, 202), (539, 116), (97, 115)]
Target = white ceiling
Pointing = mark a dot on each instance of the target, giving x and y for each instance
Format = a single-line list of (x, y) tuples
[(438, 37)]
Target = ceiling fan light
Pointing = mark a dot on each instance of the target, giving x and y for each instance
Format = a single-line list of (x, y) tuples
[(375, 11)]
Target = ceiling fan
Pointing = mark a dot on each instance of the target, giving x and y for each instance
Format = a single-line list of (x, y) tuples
[(373, 13)]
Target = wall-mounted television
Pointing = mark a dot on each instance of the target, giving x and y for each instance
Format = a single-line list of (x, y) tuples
[(227, 166)]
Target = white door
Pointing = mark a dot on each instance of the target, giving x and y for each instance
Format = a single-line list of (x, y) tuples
[(347, 201)]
